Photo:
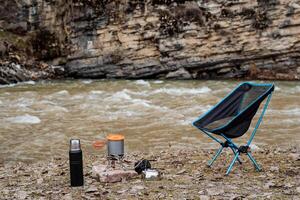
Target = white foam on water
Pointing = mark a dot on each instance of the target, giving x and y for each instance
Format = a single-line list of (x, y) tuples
[(296, 89), (28, 83), (223, 91), (23, 102), (182, 91), (158, 82), (132, 103), (87, 81), (290, 111), (119, 114), (198, 109), (47, 102), (277, 88), (56, 109), (130, 113), (62, 92), (9, 85), (17, 84), (121, 95), (84, 106), (96, 92), (148, 104), (57, 95), (45, 106), (188, 138), (185, 122), (142, 102), (78, 96), (285, 122), (290, 121), (143, 93), (24, 119), (142, 82), (290, 90), (138, 104)]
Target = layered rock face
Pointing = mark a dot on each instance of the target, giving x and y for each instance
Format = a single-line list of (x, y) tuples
[(32, 33), (204, 39), (41, 21), (176, 39)]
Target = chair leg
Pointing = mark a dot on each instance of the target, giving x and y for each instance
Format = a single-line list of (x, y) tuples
[(232, 163), (258, 168), (236, 152), (215, 157)]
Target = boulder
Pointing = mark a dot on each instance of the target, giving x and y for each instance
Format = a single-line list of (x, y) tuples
[(179, 74)]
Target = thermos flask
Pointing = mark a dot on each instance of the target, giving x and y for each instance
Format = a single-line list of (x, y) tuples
[(76, 167)]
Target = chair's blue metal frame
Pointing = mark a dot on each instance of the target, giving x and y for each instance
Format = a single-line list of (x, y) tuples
[(234, 147)]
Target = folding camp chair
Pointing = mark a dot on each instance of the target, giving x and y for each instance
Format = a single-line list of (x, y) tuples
[(232, 116)]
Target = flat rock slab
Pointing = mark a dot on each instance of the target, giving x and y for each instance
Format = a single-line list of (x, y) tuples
[(110, 175)]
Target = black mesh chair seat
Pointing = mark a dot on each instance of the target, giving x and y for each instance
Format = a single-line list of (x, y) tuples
[(218, 123)]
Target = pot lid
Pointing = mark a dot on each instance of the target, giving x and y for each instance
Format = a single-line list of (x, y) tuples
[(115, 137)]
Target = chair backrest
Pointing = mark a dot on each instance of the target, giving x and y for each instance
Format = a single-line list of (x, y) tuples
[(252, 95), (241, 105), (254, 92)]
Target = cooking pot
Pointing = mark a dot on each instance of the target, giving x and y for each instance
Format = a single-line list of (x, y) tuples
[(115, 146)]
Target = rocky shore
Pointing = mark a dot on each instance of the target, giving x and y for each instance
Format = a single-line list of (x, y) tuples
[(172, 39), (11, 72), (184, 176)]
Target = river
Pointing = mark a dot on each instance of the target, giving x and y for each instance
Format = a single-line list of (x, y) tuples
[(38, 119)]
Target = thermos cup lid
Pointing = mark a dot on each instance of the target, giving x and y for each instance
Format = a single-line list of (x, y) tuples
[(74, 145), (98, 144), (115, 137)]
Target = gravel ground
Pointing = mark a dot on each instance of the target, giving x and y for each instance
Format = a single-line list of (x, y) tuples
[(184, 176)]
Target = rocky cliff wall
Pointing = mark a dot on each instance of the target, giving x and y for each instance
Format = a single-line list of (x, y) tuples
[(32, 33), (168, 38)]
